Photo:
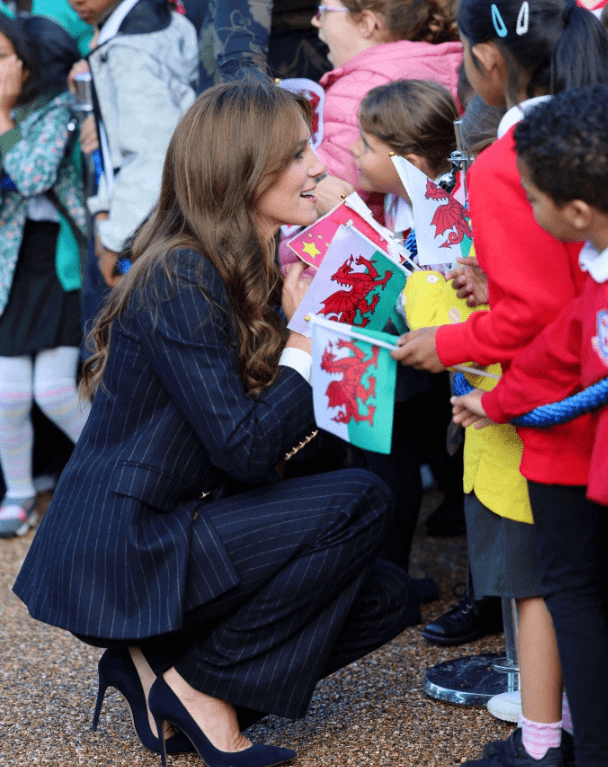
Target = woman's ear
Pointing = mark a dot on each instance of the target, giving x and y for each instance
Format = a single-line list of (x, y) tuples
[(371, 26)]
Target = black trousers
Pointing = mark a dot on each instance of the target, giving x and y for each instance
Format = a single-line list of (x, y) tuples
[(312, 596), (572, 544)]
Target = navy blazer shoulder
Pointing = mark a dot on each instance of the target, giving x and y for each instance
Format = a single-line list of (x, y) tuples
[(125, 547)]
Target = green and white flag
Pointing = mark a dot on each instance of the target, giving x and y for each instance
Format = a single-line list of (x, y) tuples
[(353, 381)]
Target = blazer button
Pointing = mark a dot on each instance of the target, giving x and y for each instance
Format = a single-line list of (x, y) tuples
[(195, 515)]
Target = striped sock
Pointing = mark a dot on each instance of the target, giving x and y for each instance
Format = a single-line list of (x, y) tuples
[(539, 737)]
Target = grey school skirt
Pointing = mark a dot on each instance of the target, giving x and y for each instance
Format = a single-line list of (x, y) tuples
[(502, 553)]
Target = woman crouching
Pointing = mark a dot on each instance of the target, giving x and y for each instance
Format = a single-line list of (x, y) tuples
[(222, 592)]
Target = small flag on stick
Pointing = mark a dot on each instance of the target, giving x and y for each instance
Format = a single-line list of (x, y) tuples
[(353, 383), (311, 244), (356, 284), (443, 230)]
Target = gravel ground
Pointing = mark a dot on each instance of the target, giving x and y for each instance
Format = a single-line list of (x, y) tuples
[(372, 714)]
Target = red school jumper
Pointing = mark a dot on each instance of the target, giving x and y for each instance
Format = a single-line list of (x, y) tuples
[(573, 349), (531, 277)]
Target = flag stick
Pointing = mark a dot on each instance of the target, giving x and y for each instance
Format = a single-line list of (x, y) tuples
[(347, 330)]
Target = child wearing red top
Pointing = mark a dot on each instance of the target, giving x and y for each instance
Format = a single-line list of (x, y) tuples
[(562, 148)]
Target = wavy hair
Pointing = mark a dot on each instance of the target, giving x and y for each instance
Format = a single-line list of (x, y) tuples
[(431, 21), (227, 150)]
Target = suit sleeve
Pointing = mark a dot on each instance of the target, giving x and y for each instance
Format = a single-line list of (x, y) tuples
[(531, 275), (548, 370), (191, 350)]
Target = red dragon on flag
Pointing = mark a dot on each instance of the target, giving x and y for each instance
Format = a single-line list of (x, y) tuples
[(453, 215), (344, 393), (344, 304)]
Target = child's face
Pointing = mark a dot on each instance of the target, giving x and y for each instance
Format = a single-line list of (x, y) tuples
[(375, 167), (553, 218), (92, 11)]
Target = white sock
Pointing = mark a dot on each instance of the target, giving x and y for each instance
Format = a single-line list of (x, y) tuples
[(55, 389), (16, 433)]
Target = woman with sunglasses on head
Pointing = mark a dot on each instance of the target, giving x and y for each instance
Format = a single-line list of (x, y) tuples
[(373, 42)]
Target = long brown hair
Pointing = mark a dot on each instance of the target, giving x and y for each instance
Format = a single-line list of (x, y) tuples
[(412, 116), (431, 21), (228, 148)]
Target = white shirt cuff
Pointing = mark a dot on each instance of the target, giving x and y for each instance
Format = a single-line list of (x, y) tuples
[(299, 360)]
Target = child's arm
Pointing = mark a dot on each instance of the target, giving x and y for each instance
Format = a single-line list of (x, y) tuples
[(548, 370)]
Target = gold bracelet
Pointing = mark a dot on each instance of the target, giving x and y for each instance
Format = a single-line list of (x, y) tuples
[(300, 445)]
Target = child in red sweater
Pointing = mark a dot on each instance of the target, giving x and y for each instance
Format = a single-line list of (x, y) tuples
[(562, 148)]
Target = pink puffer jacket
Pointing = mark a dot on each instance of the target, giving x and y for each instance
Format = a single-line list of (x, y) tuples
[(346, 86)]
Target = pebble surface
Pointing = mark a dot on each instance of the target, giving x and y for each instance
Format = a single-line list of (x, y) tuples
[(372, 714)]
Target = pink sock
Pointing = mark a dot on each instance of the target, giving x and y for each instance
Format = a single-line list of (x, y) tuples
[(566, 720), (538, 737)]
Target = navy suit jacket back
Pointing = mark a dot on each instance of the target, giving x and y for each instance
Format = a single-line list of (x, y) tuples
[(125, 547)]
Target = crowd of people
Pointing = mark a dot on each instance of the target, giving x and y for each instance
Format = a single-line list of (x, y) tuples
[(224, 554)]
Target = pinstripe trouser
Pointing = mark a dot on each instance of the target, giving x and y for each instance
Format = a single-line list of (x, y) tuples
[(312, 596)]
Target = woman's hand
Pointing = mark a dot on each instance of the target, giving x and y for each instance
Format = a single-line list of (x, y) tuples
[(11, 81), (89, 141), (468, 410), (417, 350), (294, 288), (106, 259), (78, 68), (330, 192), (469, 281)]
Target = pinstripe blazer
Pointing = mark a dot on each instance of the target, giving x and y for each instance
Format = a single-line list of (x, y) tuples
[(125, 547)]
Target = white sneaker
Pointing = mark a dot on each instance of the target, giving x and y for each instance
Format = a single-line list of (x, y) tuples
[(506, 706)]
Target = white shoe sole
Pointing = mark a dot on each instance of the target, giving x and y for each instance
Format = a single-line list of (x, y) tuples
[(506, 706), (25, 527)]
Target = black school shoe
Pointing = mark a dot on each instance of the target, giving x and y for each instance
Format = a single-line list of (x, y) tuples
[(465, 621), (567, 747), (511, 753)]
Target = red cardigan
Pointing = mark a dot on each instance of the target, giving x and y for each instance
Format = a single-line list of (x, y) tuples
[(531, 276), (573, 349)]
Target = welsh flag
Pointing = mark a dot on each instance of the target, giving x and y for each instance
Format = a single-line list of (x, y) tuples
[(443, 229), (356, 283), (353, 383)]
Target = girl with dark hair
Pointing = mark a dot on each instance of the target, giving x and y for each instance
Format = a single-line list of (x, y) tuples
[(222, 592), (517, 53), (42, 219)]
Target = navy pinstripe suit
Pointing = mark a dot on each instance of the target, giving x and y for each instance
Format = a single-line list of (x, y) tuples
[(258, 589)]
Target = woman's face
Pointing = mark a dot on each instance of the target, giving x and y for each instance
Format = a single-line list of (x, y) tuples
[(338, 31), (6, 47), (374, 165), (290, 199)]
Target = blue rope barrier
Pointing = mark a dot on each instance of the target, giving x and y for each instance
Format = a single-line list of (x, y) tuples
[(568, 409)]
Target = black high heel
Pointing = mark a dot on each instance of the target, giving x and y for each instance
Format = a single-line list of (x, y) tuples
[(116, 669), (167, 707)]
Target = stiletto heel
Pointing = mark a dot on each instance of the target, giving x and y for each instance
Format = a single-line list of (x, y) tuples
[(167, 707), (116, 669), (100, 696)]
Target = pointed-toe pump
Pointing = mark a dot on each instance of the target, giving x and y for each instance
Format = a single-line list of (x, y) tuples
[(167, 707), (116, 669)]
